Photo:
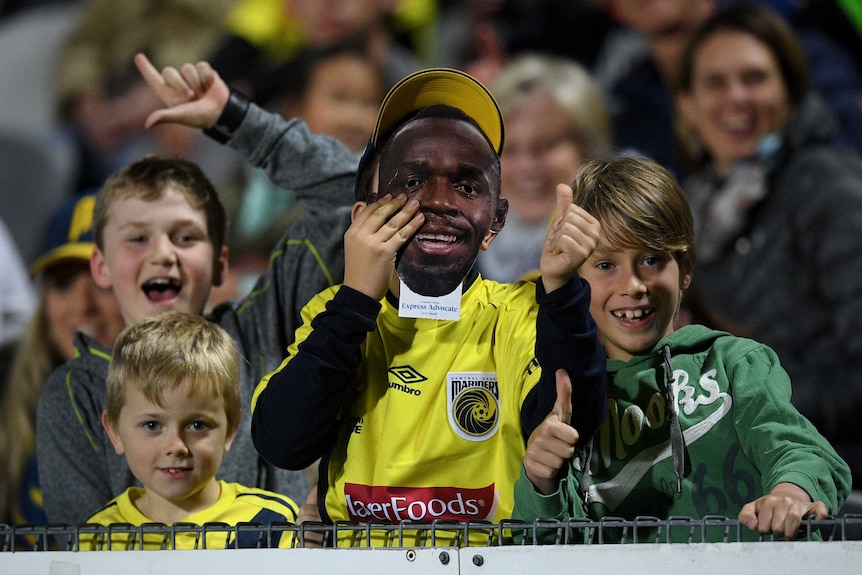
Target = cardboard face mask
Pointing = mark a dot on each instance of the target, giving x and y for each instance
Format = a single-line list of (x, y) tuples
[(445, 164)]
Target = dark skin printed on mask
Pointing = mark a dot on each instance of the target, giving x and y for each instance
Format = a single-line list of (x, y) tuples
[(448, 167)]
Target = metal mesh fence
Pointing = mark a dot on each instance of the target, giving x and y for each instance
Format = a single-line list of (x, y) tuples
[(22, 538)]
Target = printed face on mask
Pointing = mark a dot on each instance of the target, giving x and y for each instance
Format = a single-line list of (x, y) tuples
[(448, 166)]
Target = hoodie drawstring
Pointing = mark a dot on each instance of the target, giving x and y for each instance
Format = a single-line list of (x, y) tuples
[(677, 441)]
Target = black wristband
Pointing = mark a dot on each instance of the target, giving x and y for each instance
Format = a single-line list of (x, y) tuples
[(231, 117)]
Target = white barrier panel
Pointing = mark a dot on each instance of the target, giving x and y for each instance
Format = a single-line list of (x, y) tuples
[(787, 558), (611, 545)]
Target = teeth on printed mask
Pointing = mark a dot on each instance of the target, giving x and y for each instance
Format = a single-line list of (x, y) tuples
[(436, 237)]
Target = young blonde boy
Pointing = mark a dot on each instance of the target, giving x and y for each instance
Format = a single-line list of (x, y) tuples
[(173, 409), (699, 421), (160, 237)]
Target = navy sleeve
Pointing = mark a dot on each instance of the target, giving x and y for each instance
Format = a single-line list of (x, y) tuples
[(567, 338), (297, 416)]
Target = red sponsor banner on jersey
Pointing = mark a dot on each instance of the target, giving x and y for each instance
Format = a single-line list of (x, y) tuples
[(422, 504)]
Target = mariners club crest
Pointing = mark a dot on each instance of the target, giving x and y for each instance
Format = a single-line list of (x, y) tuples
[(473, 404)]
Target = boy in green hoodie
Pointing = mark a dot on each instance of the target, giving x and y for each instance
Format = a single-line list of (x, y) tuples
[(700, 422)]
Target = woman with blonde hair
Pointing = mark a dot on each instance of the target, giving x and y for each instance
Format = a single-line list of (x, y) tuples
[(555, 119), (69, 301)]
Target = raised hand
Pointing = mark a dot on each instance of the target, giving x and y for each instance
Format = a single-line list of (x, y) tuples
[(781, 511), (570, 240), (195, 95), (372, 241), (552, 444)]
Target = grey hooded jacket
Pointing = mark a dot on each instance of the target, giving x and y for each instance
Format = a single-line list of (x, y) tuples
[(78, 469)]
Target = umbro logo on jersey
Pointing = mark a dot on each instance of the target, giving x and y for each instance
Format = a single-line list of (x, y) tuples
[(407, 374), (473, 404)]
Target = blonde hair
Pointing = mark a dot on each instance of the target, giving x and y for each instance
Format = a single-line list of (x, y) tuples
[(571, 87), (35, 358), (161, 352), (639, 205)]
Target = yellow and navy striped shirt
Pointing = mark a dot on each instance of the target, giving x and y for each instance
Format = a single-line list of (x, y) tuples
[(237, 504)]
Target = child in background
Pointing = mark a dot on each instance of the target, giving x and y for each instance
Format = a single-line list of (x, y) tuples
[(174, 405), (336, 91), (700, 422)]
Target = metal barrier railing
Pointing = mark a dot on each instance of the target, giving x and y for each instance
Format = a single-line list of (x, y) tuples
[(18, 538)]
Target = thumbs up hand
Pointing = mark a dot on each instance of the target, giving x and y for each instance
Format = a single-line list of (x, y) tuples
[(552, 444), (570, 240)]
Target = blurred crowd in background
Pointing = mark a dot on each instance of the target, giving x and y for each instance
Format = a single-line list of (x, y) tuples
[(575, 80)]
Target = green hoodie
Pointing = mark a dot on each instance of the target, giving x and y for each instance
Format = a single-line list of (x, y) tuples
[(741, 437)]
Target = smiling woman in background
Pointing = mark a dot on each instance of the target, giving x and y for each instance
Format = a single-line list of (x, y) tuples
[(778, 213)]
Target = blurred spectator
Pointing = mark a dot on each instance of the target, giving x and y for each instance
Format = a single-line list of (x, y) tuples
[(37, 167), (555, 119), (841, 20), (472, 36), (336, 91), (778, 213), (10, 7), (479, 36), (264, 35), (638, 63), (69, 301), (102, 98), (16, 292)]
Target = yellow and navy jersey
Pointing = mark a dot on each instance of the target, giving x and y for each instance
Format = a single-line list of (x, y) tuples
[(430, 422), (237, 504), (433, 431)]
